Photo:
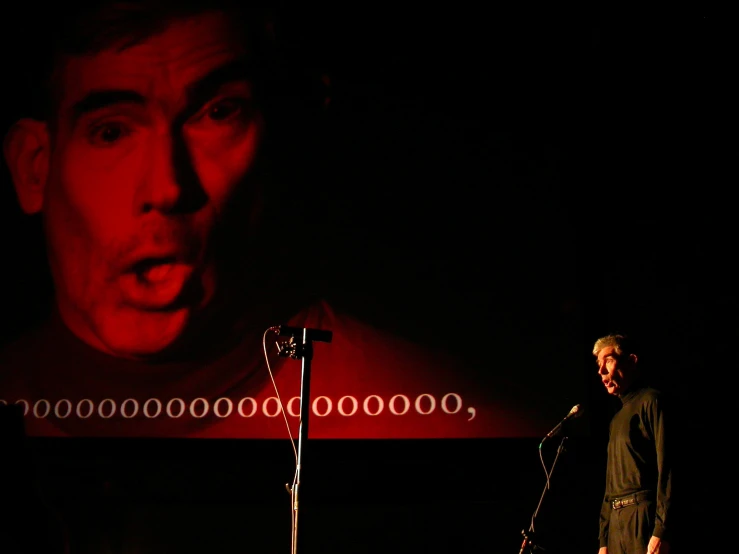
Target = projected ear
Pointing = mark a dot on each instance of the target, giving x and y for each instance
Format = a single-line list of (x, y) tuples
[(27, 149)]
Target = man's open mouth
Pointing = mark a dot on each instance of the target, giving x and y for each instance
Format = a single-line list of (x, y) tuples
[(154, 270), (155, 283)]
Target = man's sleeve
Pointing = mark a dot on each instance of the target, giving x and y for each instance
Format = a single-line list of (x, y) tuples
[(605, 517), (662, 445)]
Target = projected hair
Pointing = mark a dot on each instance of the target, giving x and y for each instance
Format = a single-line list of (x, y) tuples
[(91, 27)]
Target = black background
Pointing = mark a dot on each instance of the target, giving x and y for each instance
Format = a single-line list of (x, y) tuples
[(608, 131)]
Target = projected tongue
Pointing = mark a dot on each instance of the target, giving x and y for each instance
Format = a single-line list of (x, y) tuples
[(157, 273), (155, 284)]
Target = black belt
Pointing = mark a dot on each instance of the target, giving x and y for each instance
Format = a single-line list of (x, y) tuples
[(623, 501)]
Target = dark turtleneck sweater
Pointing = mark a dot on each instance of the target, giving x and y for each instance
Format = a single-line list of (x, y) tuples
[(639, 456)]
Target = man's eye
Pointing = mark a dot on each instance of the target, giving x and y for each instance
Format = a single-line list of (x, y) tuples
[(107, 133), (226, 109)]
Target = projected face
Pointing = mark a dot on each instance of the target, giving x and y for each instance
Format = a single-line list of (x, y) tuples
[(616, 371), (152, 144)]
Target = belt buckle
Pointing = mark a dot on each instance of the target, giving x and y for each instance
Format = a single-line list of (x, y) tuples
[(623, 502)]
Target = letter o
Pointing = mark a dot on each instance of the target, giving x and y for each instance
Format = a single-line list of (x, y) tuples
[(135, 408), (229, 405), (329, 406), (264, 406), (46, 411), (158, 405), (240, 406), (380, 405), (290, 409), (56, 408), (432, 402), (340, 406), (445, 399), (406, 404), (112, 411), (183, 407), (25, 406), (194, 403), (79, 408)]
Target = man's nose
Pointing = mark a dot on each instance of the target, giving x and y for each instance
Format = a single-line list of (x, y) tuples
[(160, 188)]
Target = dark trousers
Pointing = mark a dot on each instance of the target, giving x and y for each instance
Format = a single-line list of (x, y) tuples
[(631, 528)]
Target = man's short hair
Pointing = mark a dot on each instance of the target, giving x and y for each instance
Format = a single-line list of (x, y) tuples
[(622, 344)]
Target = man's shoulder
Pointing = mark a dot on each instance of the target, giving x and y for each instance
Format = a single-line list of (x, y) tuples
[(364, 338), (21, 354), (652, 397), (650, 391), (21, 347)]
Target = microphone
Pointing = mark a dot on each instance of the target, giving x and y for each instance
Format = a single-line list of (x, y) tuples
[(576, 411), (310, 334)]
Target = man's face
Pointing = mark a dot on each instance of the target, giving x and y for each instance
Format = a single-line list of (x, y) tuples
[(152, 144), (616, 371)]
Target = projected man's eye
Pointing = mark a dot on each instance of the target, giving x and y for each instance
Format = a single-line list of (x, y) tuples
[(108, 133), (226, 109)]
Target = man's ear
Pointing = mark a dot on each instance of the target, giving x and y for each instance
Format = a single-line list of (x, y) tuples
[(633, 358), (26, 149)]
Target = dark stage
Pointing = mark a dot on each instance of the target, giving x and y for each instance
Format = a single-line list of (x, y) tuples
[(505, 189), (357, 496)]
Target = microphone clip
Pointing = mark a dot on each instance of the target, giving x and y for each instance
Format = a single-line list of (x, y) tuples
[(288, 348)]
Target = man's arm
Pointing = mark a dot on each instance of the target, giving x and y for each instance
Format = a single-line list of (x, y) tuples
[(605, 507), (662, 446), (605, 517)]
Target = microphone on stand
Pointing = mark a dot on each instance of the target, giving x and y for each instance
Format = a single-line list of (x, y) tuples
[(319, 335), (576, 411)]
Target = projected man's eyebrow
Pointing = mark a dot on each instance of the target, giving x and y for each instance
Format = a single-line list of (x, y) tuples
[(196, 93)]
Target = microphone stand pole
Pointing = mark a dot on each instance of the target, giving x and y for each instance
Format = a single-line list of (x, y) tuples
[(528, 546), (304, 351)]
